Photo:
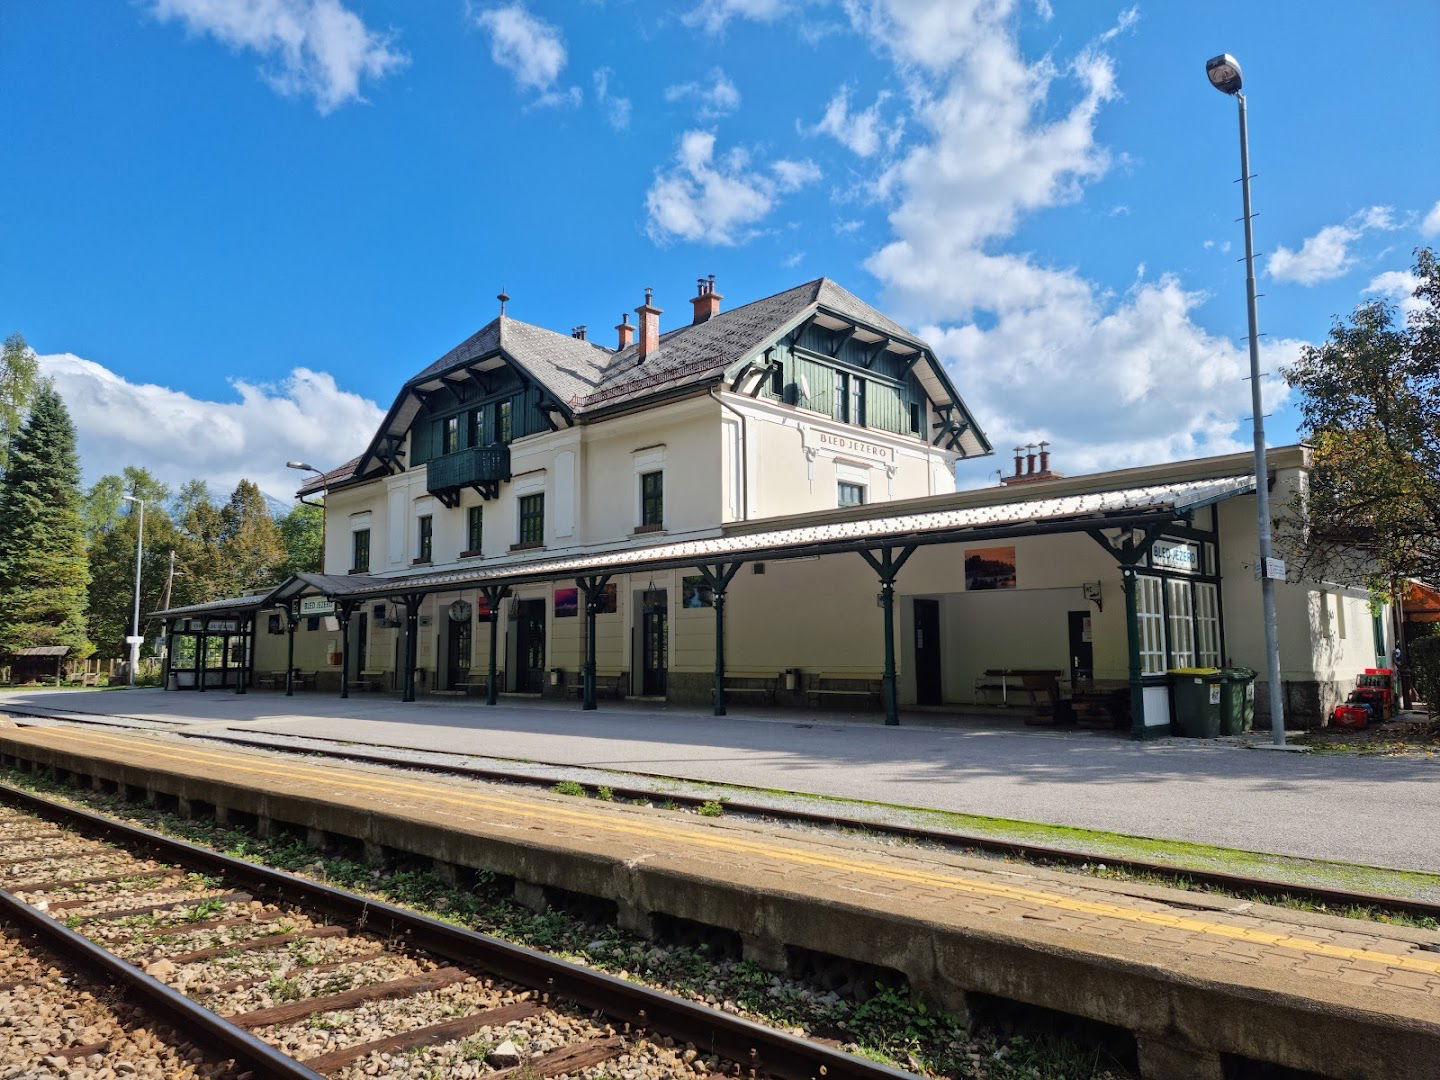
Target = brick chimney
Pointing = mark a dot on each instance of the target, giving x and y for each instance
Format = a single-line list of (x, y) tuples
[(707, 300), (626, 332), (1025, 470), (649, 326)]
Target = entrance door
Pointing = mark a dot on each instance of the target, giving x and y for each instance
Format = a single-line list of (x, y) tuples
[(927, 652), (458, 654), (1082, 649), (530, 646), (359, 643), (654, 642)]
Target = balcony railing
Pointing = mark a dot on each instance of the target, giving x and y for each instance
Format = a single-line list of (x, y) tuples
[(481, 467)]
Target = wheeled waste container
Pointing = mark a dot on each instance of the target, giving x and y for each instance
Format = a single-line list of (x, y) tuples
[(1195, 695), (1237, 700)]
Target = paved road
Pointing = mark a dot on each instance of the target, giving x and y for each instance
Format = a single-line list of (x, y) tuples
[(1380, 811)]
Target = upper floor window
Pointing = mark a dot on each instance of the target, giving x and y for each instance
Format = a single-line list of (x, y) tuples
[(450, 435), (424, 545), (916, 413), (851, 494), (532, 519), (474, 529), (857, 401), (502, 422), (477, 427), (360, 550), (840, 400), (652, 498)]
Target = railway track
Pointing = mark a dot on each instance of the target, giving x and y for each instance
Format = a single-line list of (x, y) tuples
[(287, 977), (1244, 885)]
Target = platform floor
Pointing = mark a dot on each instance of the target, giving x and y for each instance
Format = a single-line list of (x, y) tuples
[(1366, 810), (1182, 951)]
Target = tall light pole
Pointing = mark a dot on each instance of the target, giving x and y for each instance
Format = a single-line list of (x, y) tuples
[(1224, 74), (136, 637), (305, 467)]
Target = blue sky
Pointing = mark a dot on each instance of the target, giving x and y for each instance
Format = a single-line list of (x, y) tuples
[(233, 227)]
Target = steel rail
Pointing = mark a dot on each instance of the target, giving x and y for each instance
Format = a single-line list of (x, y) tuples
[(1270, 888), (754, 1046), (187, 1017)]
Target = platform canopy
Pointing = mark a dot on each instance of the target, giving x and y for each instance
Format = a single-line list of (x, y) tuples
[(858, 529)]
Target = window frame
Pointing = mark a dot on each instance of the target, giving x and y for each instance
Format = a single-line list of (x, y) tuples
[(450, 434), (425, 538), (840, 488), (530, 518), (357, 566), (504, 426), (652, 503), (474, 528), (840, 396)]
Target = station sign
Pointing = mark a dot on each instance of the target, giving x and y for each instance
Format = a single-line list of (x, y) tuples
[(1175, 555), (316, 605)]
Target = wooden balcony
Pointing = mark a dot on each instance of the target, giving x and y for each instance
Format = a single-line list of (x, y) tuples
[(483, 468)]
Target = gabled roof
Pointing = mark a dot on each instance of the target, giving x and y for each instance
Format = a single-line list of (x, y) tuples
[(585, 378)]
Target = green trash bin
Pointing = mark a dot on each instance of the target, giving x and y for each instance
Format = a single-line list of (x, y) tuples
[(1237, 700), (1195, 696)]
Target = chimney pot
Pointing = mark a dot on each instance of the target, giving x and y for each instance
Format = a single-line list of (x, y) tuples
[(649, 326), (1030, 459), (707, 300), (626, 332), (1044, 457), (1019, 460), (578, 333)]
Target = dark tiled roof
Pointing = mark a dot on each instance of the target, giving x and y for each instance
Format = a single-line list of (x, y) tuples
[(217, 607), (567, 366), (320, 483), (43, 650)]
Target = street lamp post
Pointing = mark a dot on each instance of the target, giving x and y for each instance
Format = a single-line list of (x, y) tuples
[(1224, 74), (135, 637), (305, 467)]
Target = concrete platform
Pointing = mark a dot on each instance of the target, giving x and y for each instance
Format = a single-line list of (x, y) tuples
[(1197, 980)]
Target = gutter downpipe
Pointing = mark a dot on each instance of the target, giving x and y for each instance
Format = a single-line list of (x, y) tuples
[(744, 454)]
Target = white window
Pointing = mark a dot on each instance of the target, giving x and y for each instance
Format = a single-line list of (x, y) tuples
[(1150, 612), (1207, 624), (1182, 624), (1340, 615)]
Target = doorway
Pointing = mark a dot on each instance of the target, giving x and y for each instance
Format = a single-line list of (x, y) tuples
[(457, 653), (1082, 648), (529, 646), (359, 643), (928, 689), (654, 642)]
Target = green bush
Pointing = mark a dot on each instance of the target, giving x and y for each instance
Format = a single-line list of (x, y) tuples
[(1425, 665)]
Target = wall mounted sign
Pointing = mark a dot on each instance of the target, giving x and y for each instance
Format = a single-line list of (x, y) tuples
[(316, 605), (1176, 555), (843, 444), (696, 593), (567, 603), (989, 568)]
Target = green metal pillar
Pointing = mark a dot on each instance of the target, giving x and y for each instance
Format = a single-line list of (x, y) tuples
[(200, 656), (592, 588), (1132, 646), (718, 578), (169, 654), (493, 595), (240, 672), (343, 611), (292, 620), (887, 563), (411, 603)]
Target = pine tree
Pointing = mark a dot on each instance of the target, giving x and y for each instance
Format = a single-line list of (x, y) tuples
[(253, 553), (43, 570)]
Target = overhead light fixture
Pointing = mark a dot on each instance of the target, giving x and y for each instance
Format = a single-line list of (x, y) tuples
[(1223, 72)]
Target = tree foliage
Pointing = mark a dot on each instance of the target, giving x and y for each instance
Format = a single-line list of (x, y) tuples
[(19, 379), (1370, 406), (253, 553), (302, 530), (43, 569), (111, 524)]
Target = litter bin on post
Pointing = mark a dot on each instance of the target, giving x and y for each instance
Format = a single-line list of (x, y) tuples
[(1195, 693), (1237, 700)]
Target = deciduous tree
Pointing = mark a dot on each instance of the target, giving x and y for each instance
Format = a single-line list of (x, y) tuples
[(19, 378), (302, 530)]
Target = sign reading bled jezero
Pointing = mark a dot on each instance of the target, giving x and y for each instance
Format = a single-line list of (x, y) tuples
[(843, 444), (1172, 555), (316, 605)]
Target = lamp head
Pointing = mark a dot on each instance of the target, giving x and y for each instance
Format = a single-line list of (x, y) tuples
[(132, 498), (1223, 72), (301, 465)]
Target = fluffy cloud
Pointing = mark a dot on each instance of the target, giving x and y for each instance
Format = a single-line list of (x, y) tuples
[(1399, 286), (1431, 225), (712, 15), (1038, 351), (178, 437), (864, 133), (715, 98), (531, 49), (315, 47), (617, 109), (718, 200), (1327, 255)]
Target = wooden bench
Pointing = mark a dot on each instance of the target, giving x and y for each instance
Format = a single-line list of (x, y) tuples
[(761, 684), (614, 684), (820, 688), (1029, 681)]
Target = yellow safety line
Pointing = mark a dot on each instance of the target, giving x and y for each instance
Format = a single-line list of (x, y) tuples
[(374, 784)]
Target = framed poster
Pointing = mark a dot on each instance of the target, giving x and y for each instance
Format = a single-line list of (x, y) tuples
[(606, 605), (697, 593), (567, 603), (989, 568)]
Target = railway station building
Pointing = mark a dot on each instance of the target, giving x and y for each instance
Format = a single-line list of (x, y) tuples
[(758, 506)]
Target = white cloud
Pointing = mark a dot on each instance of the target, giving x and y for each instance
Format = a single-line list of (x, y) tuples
[(1397, 285), (719, 97), (718, 200), (793, 260), (617, 109), (1127, 20), (1038, 351), (315, 47), (864, 133), (1327, 255), (531, 49), (712, 15), (179, 437), (1431, 225)]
